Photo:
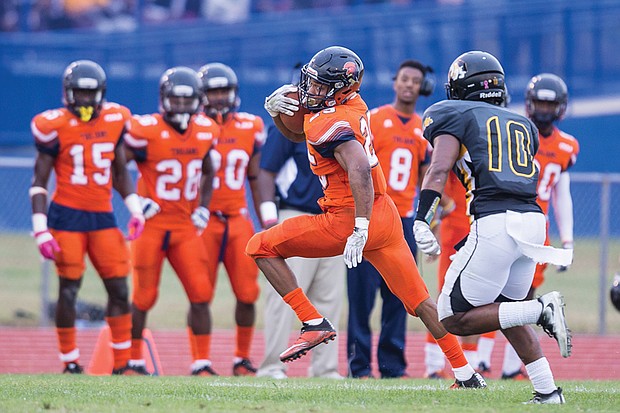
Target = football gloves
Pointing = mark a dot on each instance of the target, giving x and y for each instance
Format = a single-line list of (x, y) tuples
[(200, 218), (278, 102), (425, 239), (47, 244), (354, 249), (135, 226), (150, 208)]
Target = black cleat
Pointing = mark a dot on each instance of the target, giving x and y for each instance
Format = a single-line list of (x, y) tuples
[(476, 381), (555, 397), (73, 368)]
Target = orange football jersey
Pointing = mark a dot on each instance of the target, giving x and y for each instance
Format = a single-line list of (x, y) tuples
[(171, 167), (556, 154), (328, 126), (242, 135), (83, 153), (401, 150)]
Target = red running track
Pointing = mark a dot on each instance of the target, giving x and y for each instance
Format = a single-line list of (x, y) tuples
[(34, 351)]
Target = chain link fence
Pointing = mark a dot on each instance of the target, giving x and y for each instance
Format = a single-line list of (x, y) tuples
[(596, 200)]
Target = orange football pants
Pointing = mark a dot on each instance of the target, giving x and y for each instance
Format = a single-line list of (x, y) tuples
[(106, 249), (186, 255), (225, 239), (325, 235)]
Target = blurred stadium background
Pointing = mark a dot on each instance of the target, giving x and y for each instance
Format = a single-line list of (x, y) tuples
[(135, 41)]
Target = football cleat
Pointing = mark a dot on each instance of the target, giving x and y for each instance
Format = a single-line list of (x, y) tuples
[(128, 370), (483, 368), (73, 368), (437, 375), (476, 381), (555, 397), (310, 337), (517, 375), (244, 368), (553, 321), (204, 371)]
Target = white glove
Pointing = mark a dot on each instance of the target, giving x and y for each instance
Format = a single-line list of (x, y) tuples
[(353, 251), (425, 239), (149, 207), (200, 218), (278, 102)]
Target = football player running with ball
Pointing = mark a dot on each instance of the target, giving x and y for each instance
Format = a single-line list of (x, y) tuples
[(360, 219), (492, 151)]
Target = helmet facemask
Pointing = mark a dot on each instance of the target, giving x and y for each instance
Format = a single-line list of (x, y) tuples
[(546, 99), (179, 103), (331, 78), (84, 87)]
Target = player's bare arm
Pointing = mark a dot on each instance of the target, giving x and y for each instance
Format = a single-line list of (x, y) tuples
[(253, 172), (121, 180), (266, 183), (353, 159), (206, 181), (42, 169), (445, 153)]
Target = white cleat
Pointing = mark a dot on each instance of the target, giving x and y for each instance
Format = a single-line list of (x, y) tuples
[(553, 321)]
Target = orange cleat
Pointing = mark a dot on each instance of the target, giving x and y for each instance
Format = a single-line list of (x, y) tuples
[(310, 337)]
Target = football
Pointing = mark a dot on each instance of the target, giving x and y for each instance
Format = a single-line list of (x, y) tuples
[(295, 123)]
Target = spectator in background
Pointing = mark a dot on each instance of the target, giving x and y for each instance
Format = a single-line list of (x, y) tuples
[(403, 155), (285, 179), (9, 16), (235, 158), (81, 143), (171, 149)]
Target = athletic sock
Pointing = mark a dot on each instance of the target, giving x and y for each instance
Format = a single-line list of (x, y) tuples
[(136, 349), (452, 349), (519, 313), (244, 341), (203, 346), (301, 305), (69, 353), (470, 350), (541, 376), (192, 343), (120, 330), (512, 362), (434, 359), (485, 348)]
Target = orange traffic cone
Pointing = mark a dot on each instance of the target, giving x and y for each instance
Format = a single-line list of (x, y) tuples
[(102, 361)]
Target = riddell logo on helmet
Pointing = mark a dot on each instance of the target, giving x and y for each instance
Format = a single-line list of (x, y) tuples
[(486, 95)]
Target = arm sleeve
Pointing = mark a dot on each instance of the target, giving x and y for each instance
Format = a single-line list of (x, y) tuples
[(563, 207)]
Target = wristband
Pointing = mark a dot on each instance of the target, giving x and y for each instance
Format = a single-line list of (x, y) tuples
[(361, 222), (35, 190), (268, 211), (132, 201), (39, 222), (427, 205)]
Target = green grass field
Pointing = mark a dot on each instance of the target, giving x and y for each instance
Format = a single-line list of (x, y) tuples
[(20, 290), (62, 393)]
